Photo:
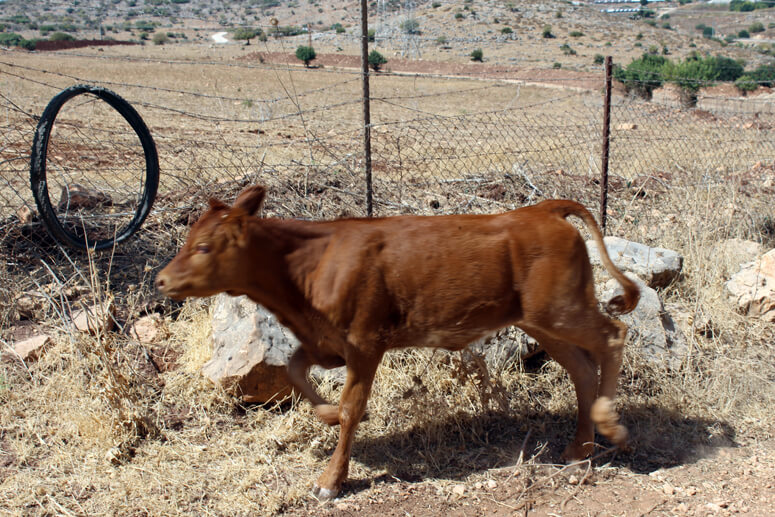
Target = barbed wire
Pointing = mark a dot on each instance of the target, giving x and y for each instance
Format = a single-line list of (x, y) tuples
[(424, 162)]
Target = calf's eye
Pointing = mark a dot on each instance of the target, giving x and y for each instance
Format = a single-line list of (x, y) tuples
[(202, 248)]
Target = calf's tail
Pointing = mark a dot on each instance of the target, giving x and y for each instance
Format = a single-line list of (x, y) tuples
[(623, 303)]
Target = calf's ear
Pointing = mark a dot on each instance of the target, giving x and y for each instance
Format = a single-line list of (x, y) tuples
[(251, 199), (216, 204)]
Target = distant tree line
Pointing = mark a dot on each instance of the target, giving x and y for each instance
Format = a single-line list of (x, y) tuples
[(650, 71)]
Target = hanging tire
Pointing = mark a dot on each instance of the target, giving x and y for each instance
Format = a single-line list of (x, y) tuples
[(107, 184)]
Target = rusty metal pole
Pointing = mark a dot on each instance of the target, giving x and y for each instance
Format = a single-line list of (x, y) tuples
[(606, 142), (366, 108)]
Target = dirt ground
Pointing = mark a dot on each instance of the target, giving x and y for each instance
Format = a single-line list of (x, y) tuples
[(545, 77), (720, 481), (733, 476)]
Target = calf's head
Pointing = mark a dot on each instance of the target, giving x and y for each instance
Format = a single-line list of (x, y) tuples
[(212, 260)]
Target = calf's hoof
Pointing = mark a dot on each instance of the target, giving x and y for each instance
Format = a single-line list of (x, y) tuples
[(607, 421), (577, 452), (324, 494), (328, 413)]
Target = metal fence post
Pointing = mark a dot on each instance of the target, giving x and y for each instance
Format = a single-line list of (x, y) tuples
[(606, 142), (366, 108)]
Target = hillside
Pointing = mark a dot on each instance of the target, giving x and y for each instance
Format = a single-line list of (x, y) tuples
[(507, 32)]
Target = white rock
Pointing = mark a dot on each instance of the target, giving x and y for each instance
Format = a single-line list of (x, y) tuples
[(659, 266)]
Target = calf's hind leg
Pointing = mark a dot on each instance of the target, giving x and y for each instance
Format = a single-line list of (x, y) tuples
[(298, 366), (603, 338), (583, 373)]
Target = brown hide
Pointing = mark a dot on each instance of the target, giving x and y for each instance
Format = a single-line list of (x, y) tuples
[(351, 289)]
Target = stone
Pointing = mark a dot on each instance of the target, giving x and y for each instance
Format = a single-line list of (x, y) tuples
[(77, 197), (650, 326), (251, 350), (659, 266), (753, 287), (24, 214), (459, 490), (148, 329), (95, 319), (32, 348), (30, 305), (732, 253)]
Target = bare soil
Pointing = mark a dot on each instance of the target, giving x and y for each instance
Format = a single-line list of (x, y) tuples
[(722, 481), (560, 78)]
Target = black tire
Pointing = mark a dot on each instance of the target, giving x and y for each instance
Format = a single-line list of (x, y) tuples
[(39, 183)]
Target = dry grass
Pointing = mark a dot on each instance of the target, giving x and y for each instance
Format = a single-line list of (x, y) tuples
[(94, 428), (91, 428)]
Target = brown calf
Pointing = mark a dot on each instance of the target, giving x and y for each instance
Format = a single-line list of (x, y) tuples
[(352, 289)]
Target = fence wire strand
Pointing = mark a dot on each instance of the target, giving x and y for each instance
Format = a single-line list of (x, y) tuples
[(438, 146)]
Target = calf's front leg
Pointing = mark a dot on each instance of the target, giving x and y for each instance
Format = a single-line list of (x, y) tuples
[(352, 406), (298, 366)]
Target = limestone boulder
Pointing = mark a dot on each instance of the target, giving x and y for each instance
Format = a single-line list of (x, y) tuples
[(96, 318), (753, 287), (32, 348), (658, 266), (651, 327), (250, 350)]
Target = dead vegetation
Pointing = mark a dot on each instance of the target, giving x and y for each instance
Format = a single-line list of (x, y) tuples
[(103, 424)]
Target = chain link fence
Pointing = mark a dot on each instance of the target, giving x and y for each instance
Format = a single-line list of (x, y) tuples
[(439, 146)]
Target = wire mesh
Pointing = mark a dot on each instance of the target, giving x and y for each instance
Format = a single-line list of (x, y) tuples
[(439, 145)]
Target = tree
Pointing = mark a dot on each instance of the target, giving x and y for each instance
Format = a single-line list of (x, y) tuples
[(547, 33), (376, 60), (246, 33), (160, 38), (643, 75), (477, 55), (410, 26), (756, 27), (306, 54)]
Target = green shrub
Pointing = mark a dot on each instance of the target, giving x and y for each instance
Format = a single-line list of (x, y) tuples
[(547, 32), (556, 65), (743, 34), (61, 36), (160, 38), (764, 75), (599, 59), (459, 16), (746, 83), (707, 32), (756, 27), (246, 33), (567, 50), (477, 55), (576, 34), (436, 5), (642, 75), (695, 72), (376, 60), (410, 26), (506, 30), (441, 40), (305, 54)]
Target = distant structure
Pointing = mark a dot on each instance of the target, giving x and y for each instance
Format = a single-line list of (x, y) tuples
[(385, 31), (627, 1), (410, 46)]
